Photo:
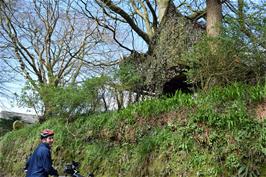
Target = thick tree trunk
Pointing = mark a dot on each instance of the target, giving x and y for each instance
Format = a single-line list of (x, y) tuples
[(214, 17)]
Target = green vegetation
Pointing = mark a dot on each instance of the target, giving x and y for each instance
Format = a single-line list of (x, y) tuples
[(5, 126), (233, 61), (68, 101), (209, 134)]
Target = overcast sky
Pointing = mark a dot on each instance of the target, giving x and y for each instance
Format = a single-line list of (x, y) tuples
[(8, 103)]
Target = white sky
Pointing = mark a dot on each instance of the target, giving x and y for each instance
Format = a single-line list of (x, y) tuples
[(8, 103)]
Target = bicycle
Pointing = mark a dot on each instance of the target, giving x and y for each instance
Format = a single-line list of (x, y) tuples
[(72, 169)]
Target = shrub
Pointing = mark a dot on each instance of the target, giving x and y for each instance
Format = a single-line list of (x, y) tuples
[(71, 100), (232, 61)]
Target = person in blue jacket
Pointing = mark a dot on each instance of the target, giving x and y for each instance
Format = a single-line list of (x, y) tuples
[(40, 163)]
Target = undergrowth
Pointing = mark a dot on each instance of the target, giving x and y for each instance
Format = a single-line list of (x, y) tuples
[(5, 126), (213, 133)]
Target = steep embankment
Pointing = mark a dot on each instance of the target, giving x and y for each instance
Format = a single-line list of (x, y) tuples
[(219, 133)]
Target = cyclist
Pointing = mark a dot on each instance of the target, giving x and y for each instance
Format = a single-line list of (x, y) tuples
[(40, 163)]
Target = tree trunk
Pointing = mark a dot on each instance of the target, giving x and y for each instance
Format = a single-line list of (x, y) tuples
[(214, 17), (48, 112), (162, 5)]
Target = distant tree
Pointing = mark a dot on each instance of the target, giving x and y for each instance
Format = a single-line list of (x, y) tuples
[(47, 40)]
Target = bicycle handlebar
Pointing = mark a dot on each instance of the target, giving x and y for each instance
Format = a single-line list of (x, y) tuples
[(72, 169)]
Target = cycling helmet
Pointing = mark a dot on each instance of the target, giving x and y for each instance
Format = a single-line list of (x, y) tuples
[(46, 133)]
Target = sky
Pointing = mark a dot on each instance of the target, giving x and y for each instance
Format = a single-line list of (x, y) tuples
[(8, 103), (5, 106)]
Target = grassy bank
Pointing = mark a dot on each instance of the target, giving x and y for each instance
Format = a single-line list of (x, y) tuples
[(218, 133)]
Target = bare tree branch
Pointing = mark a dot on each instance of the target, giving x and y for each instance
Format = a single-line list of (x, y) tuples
[(154, 16), (128, 19), (102, 24)]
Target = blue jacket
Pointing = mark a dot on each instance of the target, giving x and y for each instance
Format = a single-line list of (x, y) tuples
[(40, 162)]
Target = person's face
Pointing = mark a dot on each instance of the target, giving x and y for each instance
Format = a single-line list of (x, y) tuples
[(49, 140)]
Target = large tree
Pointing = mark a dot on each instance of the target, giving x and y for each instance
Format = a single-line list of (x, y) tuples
[(47, 40), (143, 17), (143, 21), (139, 18), (139, 26)]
